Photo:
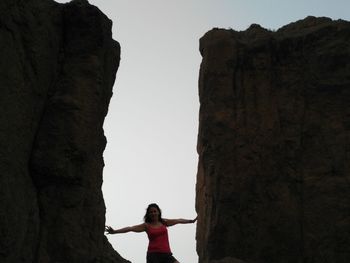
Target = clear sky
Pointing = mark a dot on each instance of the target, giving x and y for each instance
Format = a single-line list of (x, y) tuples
[(151, 127)]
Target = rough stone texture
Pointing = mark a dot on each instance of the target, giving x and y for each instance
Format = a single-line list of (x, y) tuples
[(274, 144), (57, 68)]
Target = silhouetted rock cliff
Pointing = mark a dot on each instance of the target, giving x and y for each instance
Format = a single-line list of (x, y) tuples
[(274, 144), (58, 65)]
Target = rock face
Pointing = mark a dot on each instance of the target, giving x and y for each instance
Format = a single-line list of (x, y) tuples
[(58, 65), (274, 144)]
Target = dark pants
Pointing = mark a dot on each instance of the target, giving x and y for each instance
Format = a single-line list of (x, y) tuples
[(153, 257)]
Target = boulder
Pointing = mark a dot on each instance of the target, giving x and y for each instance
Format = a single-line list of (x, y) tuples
[(273, 144), (58, 64)]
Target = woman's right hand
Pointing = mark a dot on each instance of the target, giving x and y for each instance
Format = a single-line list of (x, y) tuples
[(109, 230)]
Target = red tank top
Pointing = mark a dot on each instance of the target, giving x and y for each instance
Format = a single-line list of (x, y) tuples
[(158, 239)]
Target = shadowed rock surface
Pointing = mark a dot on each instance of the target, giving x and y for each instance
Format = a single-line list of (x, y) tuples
[(57, 68), (274, 144)]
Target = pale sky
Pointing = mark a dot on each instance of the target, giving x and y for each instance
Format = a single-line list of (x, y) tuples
[(152, 124)]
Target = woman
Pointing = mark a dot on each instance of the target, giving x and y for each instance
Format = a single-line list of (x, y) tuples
[(156, 228)]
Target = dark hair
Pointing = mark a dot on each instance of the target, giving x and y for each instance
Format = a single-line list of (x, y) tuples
[(147, 218)]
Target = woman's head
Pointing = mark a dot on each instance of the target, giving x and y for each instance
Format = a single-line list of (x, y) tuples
[(153, 213)]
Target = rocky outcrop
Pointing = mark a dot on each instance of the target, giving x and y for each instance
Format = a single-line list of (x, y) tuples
[(58, 65), (274, 144)]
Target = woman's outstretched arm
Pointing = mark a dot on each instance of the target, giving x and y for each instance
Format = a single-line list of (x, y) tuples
[(137, 228), (171, 222)]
